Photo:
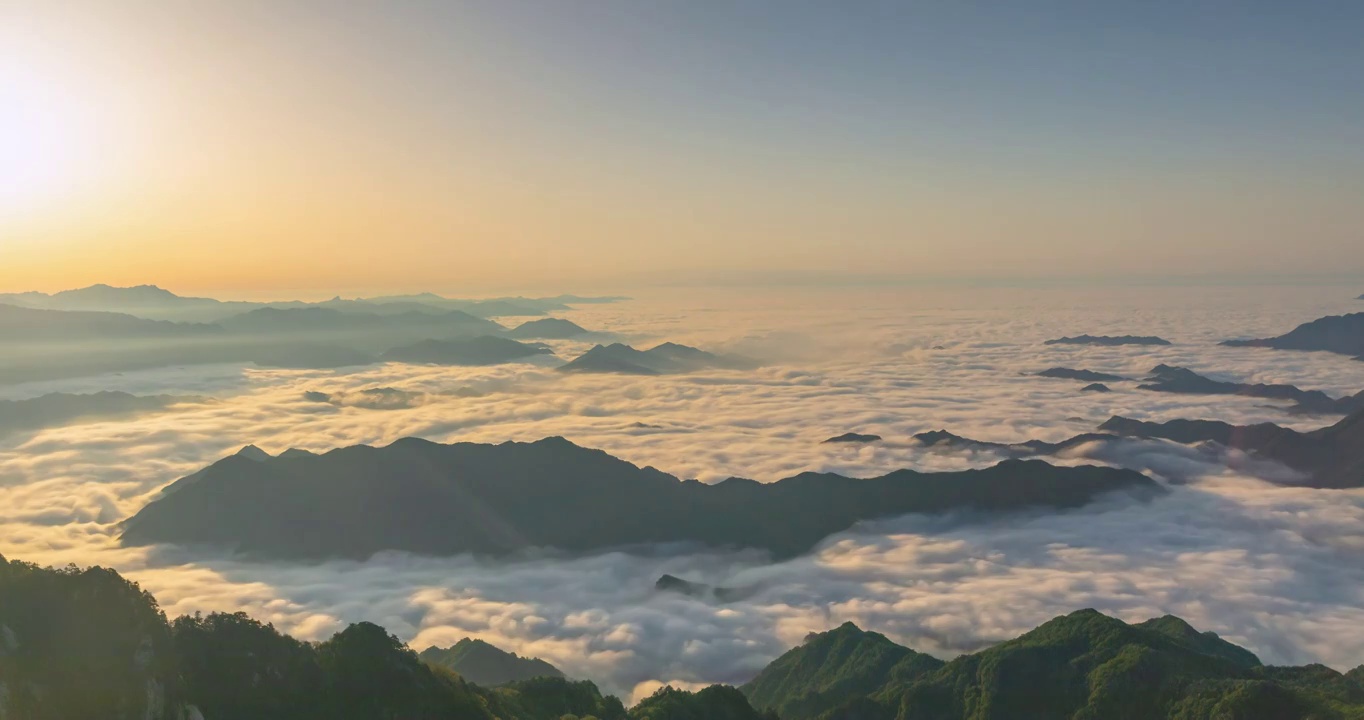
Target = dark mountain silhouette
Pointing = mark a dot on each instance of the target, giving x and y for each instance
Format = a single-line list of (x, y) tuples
[(481, 350), (942, 439), (1165, 378), (662, 359), (1096, 387), (1109, 340), (487, 665), (673, 584), (319, 319), (1342, 334), (1332, 456), (852, 437), (1082, 375), (434, 499), (56, 409), (547, 329), (19, 324)]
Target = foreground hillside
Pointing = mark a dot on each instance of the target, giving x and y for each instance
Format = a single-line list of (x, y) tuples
[(89, 645)]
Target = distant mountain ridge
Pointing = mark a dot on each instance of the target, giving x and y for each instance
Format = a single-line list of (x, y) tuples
[(664, 359), (55, 409), (1165, 378), (483, 664), (1332, 456), (1342, 334), (1109, 340), (157, 303), (433, 499)]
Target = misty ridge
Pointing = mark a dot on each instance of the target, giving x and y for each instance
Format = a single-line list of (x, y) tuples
[(104, 329), (426, 498), (554, 507)]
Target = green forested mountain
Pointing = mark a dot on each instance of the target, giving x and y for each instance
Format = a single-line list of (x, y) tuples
[(89, 645), (829, 668), (1082, 666), (717, 702)]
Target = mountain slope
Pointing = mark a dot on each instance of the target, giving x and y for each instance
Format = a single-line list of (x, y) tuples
[(486, 665), (436, 499), (1334, 333), (830, 669), (663, 359), (480, 350)]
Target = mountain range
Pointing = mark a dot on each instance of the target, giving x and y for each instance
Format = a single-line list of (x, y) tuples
[(150, 301), (55, 409), (1330, 457), (433, 499), (86, 644)]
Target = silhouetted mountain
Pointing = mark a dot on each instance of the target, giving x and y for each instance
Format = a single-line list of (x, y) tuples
[(1164, 378), (303, 356), (547, 329), (486, 665), (1109, 340), (1333, 456), (1334, 333), (481, 350), (662, 359), (852, 437), (1083, 375), (943, 439), (56, 409), (18, 324), (832, 668), (1096, 387), (670, 583), (433, 499), (318, 319)]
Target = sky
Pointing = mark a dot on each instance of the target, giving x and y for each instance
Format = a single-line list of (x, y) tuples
[(308, 147)]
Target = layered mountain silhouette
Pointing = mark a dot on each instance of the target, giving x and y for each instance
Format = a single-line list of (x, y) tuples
[(1165, 378), (1082, 375), (433, 499), (150, 301), (1082, 665), (664, 359), (1096, 387), (22, 324), (487, 665), (1109, 340), (481, 350), (56, 409), (1342, 334), (547, 329), (1331, 457)]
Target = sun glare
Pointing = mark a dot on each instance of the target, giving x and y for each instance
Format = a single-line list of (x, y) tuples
[(47, 142)]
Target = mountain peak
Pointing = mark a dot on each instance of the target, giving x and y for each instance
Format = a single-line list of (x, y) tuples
[(251, 452)]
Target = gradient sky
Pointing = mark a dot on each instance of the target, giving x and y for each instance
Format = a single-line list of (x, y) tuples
[(239, 147)]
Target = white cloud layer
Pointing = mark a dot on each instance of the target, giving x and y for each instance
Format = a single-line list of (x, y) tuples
[(1280, 570)]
